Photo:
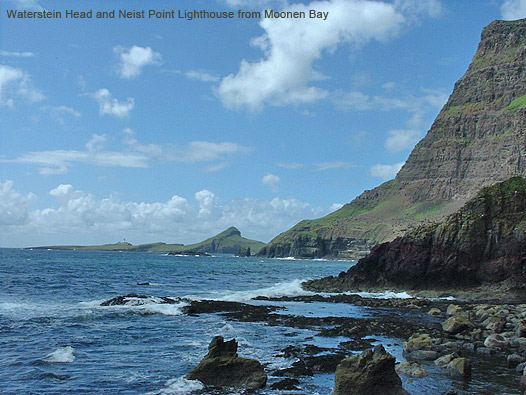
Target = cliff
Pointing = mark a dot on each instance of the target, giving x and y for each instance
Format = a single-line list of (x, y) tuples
[(482, 243), (477, 139)]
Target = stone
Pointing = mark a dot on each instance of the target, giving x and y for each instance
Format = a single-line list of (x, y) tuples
[(521, 328), (496, 341), (460, 367), (453, 309), (371, 372), (421, 355), (410, 369), (434, 311), (513, 360), (418, 341), (286, 384), (456, 324), (222, 367), (443, 361)]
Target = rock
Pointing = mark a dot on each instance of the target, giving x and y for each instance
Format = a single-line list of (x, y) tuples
[(521, 328), (456, 324), (434, 311), (410, 369), (520, 367), (496, 341), (371, 372), (421, 355), (244, 252), (513, 360), (453, 309), (286, 384), (523, 385), (222, 367), (418, 341), (460, 367), (297, 369), (496, 323), (443, 361)]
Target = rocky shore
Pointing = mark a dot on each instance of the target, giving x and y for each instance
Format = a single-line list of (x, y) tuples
[(460, 339)]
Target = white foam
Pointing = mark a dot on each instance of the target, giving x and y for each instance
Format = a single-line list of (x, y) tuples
[(150, 305), (61, 355), (291, 288), (179, 386), (287, 258), (382, 295)]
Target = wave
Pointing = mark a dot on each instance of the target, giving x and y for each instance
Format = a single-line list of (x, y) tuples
[(382, 295), (180, 386), (142, 305), (60, 355), (291, 288)]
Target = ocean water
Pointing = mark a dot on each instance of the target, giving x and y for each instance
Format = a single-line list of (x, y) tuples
[(57, 339)]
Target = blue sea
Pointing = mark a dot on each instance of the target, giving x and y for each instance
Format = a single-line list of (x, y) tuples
[(56, 338)]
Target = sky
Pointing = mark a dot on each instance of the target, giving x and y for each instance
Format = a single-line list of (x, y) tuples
[(158, 129)]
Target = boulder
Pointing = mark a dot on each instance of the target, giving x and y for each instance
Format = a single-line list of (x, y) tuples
[(453, 309), (418, 341), (460, 367), (521, 328), (456, 324), (371, 372), (434, 311), (410, 369), (496, 341), (222, 367), (443, 361)]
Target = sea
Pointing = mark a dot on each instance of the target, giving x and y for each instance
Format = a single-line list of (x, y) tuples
[(56, 338)]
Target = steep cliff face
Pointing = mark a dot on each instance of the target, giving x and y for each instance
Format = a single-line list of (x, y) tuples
[(482, 243), (477, 139)]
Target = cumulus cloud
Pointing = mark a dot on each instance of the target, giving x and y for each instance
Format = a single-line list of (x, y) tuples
[(15, 83), (134, 59), (402, 139), (291, 46), (201, 76), (416, 9), (13, 205), (271, 181), (78, 216), (513, 9), (111, 106), (386, 171)]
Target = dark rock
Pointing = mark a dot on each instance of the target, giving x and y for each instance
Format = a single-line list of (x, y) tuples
[(325, 363), (371, 372), (460, 367), (286, 384), (222, 367), (244, 252), (297, 369)]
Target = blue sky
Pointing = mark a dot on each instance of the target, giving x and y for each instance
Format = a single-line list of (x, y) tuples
[(173, 130)]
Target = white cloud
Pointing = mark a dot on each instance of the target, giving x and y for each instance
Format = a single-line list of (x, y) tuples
[(111, 106), (513, 9), (206, 151), (292, 45), (96, 143), (28, 4), (13, 205), (16, 83), (271, 181), (201, 76), (134, 59), (386, 171), (80, 217), (134, 154), (333, 165), (290, 165), (17, 54), (65, 110), (403, 139), (416, 9)]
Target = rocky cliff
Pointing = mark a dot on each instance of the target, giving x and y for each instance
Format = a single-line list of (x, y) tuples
[(477, 139), (482, 243)]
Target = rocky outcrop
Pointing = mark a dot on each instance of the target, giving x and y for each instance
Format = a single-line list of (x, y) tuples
[(482, 243), (222, 367), (476, 140), (371, 372)]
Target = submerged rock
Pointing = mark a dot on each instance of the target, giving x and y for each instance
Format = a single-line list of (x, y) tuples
[(371, 372), (222, 367)]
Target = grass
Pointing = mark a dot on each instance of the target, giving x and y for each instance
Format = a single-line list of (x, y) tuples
[(517, 103)]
